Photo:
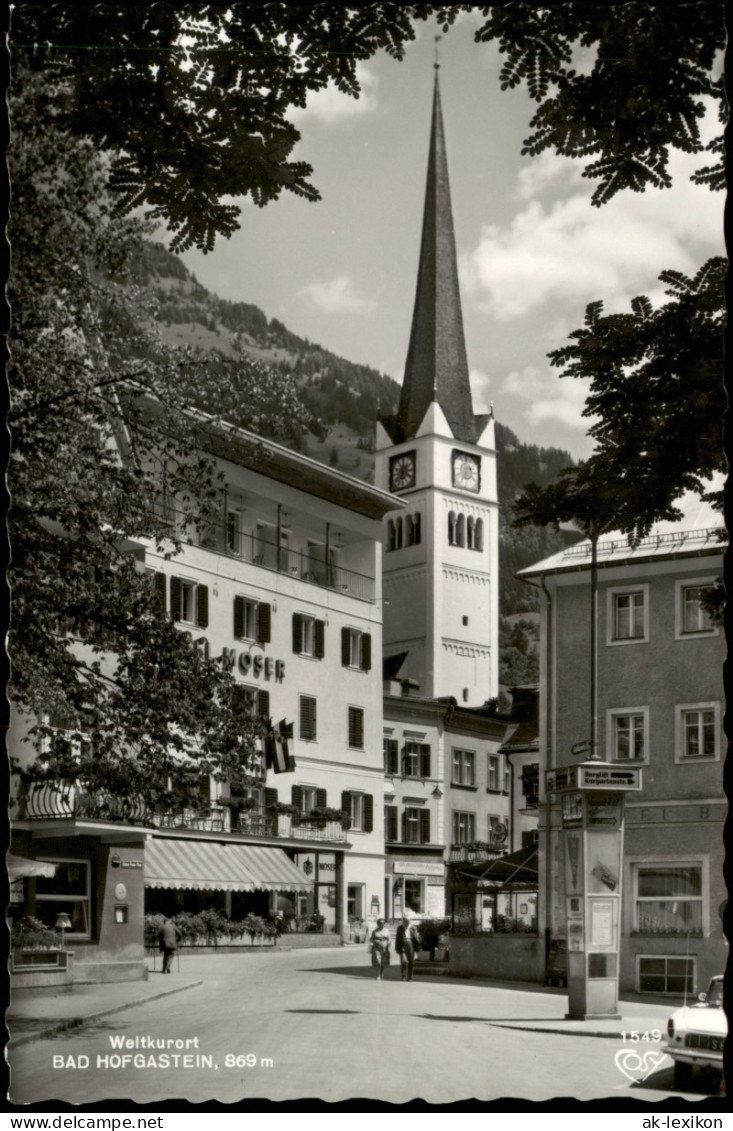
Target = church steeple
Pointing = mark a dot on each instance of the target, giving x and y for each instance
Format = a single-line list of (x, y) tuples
[(437, 367)]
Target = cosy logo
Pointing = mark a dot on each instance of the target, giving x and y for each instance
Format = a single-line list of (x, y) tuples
[(636, 1066)]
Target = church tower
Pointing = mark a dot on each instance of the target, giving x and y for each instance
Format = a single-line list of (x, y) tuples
[(440, 564)]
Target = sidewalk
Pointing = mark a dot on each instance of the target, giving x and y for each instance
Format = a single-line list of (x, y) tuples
[(521, 1006)]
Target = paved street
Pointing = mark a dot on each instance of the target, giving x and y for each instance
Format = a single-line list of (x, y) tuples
[(317, 1024)]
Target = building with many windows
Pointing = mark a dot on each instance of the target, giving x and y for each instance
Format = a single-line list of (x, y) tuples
[(659, 658), (286, 590)]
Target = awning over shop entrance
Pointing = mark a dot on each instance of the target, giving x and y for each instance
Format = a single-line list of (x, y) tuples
[(203, 866), (514, 870), (21, 866)]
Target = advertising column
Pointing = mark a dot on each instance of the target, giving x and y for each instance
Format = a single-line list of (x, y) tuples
[(592, 800)]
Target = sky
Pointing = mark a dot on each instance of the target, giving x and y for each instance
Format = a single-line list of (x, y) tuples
[(532, 250)]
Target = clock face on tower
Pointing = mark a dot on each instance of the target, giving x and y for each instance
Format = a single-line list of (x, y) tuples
[(402, 471), (466, 471)]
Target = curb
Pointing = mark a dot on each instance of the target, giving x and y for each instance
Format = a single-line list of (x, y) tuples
[(77, 1022), (560, 1032)]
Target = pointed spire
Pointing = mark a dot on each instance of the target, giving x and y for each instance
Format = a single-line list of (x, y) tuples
[(437, 367)]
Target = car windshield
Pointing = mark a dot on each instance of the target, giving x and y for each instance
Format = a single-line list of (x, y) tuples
[(715, 992)]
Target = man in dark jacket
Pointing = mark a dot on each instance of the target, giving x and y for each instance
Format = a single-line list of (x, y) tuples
[(407, 945), (168, 937)]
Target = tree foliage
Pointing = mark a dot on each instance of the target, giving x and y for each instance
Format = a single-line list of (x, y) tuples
[(192, 101), (122, 698), (656, 402)]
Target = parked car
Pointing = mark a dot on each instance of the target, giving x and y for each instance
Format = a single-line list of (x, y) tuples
[(697, 1034)]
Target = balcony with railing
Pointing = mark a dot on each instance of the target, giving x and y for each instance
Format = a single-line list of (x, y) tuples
[(58, 800)]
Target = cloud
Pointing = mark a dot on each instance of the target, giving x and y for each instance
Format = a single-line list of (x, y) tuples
[(548, 399), (335, 296), (563, 250), (330, 105), (480, 389)]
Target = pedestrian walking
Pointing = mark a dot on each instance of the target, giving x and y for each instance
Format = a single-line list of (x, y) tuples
[(407, 944), (381, 942), (168, 938)]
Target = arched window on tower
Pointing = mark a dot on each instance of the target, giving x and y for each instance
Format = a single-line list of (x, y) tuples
[(461, 530), (451, 528), (469, 531), (391, 535), (413, 529), (398, 533), (478, 534)]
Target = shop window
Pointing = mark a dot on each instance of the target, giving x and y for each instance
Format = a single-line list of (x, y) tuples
[(252, 620), (414, 895), (693, 613), (628, 615), (668, 898), (627, 734), (416, 825), (391, 756), (665, 974), (69, 891), (308, 636), (307, 715), (189, 602), (356, 727), (463, 827), (463, 768), (697, 727), (416, 760), (356, 649), (355, 905)]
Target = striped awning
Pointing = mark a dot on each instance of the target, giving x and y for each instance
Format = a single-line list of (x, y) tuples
[(203, 866)]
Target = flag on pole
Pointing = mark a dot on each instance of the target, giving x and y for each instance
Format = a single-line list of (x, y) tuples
[(277, 753)]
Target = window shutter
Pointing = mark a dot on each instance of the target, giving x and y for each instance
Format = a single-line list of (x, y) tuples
[(425, 761), (270, 797), (320, 639), (345, 647), (404, 826), (321, 798), (346, 801), (391, 756), (239, 617), (263, 622), (297, 796), (425, 826), (390, 823), (366, 651), (159, 583), (297, 633), (202, 606), (404, 761), (368, 813), (263, 704), (307, 717), (176, 598)]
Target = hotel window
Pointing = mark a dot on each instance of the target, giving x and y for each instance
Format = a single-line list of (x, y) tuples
[(668, 898), (356, 727), (463, 768), (251, 701), (416, 760), (628, 618), (693, 615), (356, 649), (492, 774), (391, 756), (463, 827), (697, 730), (307, 712), (507, 776), (252, 620), (308, 797), (189, 602), (665, 974), (360, 807), (308, 636), (627, 734), (416, 825), (68, 891)]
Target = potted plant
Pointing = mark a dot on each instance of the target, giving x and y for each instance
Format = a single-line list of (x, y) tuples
[(36, 947), (324, 814)]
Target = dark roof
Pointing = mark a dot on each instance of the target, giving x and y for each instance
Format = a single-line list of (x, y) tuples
[(437, 367), (391, 665)]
